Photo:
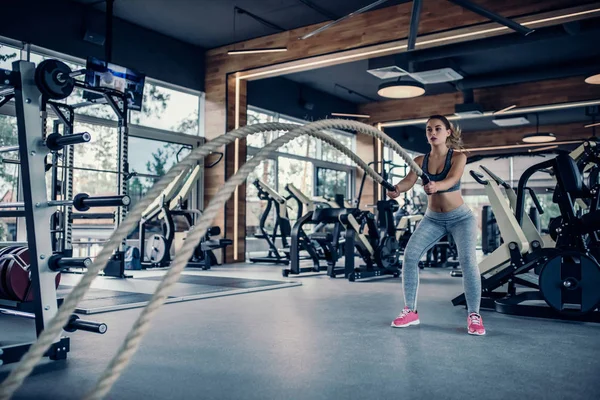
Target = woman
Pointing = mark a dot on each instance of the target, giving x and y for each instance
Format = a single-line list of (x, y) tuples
[(446, 214)]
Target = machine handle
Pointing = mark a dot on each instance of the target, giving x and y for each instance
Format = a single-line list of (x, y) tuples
[(498, 180), (478, 177), (535, 200), (215, 162), (83, 202)]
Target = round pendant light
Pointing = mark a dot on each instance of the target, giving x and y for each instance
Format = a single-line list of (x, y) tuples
[(401, 89), (541, 137), (593, 80)]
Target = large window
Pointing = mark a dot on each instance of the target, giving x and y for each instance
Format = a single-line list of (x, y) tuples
[(168, 109), (265, 172), (167, 126), (313, 167), (331, 182), (149, 160)]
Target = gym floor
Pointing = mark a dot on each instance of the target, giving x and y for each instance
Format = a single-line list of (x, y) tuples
[(328, 339)]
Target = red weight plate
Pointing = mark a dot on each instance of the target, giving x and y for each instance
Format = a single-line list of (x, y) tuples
[(18, 281), (17, 278), (3, 264)]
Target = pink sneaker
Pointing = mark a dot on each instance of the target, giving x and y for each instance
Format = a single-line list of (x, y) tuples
[(475, 324), (406, 318)]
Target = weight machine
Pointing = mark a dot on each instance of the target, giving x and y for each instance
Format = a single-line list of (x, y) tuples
[(330, 244), (565, 274), (29, 275), (175, 218)]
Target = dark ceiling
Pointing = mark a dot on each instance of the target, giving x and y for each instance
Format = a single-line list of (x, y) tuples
[(209, 23), (554, 52)]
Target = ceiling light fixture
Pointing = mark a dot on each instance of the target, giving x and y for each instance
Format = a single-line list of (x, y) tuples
[(539, 137), (350, 115), (401, 89), (592, 125), (257, 51), (593, 80), (504, 110)]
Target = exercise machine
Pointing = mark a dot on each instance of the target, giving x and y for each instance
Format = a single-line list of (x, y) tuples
[(29, 275), (566, 275), (323, 243), (174, 219), (282, 228)]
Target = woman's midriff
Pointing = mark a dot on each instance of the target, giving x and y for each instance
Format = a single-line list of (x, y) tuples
[(445, 202)]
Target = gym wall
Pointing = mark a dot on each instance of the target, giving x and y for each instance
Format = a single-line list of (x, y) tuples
[(60, 25)]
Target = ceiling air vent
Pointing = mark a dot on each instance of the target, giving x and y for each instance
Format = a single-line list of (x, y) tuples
[(515, 121), (390, 72), (436, 76)]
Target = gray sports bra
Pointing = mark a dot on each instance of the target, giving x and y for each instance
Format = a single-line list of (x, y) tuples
[(442, 175)]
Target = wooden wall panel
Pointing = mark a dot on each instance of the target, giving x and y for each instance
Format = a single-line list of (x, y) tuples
[(419, 107), (503, 137), (537, 93)]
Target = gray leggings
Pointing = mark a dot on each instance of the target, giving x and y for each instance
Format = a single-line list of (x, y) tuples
[(461, 224)]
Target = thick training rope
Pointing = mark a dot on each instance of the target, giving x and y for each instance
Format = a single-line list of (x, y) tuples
[(54, 328)]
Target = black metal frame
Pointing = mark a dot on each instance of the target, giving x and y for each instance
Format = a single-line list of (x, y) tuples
[(274, 254)]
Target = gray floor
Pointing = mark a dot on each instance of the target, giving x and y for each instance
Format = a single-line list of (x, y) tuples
[(330, 339)]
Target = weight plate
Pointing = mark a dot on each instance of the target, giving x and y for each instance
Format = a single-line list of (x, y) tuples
[(3, 263), (17, 277), (156, 249), (53, 80), (569, 283), (387, 253)]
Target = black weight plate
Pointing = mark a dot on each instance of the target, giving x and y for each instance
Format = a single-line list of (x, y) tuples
[(47, 79), (387, 253), (583, 275)]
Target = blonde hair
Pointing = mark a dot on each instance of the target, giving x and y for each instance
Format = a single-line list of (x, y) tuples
[(455, 139)]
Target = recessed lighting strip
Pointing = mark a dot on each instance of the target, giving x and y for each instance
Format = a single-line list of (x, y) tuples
[(350, 115), (257, 51), (505, 109), (519, 146)]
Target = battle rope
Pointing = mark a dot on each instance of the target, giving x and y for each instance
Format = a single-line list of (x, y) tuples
[(54, 328)]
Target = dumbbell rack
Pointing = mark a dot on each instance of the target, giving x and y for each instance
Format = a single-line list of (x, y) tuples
[(44, 263)]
